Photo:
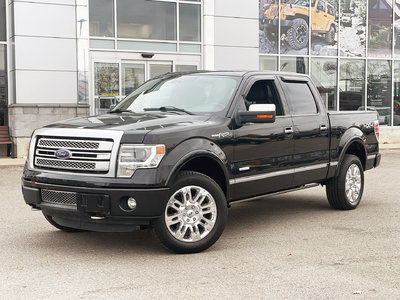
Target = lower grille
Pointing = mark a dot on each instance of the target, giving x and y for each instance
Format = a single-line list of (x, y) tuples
[(59, 197)]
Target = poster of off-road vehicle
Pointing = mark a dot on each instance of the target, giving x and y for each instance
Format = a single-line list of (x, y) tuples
[(293, 16), (352, 27)]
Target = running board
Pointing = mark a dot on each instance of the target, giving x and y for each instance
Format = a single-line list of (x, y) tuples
[(303, 187)]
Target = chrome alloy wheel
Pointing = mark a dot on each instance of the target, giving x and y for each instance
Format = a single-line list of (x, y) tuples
[(301, 34), (190, 214), (353, 183)]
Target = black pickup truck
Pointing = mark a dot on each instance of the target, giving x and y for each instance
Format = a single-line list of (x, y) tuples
[(177, 151)]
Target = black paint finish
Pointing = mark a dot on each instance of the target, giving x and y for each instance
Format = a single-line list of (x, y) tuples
[(255, 159)]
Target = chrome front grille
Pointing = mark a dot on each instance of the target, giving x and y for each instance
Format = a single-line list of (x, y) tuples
[(53, 143), (59, 197), (86, 156)]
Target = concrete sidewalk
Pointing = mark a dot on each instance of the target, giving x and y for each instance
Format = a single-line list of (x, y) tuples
[(8, 162)]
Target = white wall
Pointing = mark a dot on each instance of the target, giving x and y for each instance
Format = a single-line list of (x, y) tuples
[(45, 51), (230, 34)]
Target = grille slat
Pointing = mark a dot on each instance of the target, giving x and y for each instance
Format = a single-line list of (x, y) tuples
[(49, 143), (59, 197)]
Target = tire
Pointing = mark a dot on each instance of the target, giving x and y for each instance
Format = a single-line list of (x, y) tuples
[(192, 226), (330, 36), (297, 34), (62, 228), (336, 187)]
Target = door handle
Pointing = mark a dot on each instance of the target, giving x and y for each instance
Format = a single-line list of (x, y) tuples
[(289, 130), (323, 127)]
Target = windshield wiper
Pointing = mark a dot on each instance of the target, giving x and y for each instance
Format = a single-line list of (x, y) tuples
[(118, 111), (168, 108)]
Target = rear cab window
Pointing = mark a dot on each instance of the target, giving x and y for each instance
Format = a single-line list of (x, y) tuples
[(300, 98)]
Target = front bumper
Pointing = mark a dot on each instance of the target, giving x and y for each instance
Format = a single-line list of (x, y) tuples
[(97, 209)]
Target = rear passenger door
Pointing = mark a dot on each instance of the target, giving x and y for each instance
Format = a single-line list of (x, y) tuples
[(262, 152), (310, 130)]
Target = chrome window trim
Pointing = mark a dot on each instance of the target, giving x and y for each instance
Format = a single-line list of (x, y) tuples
[(115, 135)]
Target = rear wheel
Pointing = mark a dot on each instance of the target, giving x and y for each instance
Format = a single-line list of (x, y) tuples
[(345, 191), (58, 226), (195, 215)]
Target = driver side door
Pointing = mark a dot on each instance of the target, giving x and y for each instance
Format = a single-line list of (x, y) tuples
[(263, 152)]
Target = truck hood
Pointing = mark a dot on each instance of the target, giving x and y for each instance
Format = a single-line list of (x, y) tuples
[(132, 122)]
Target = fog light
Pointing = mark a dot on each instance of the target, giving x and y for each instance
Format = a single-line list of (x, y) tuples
[(131, 203)]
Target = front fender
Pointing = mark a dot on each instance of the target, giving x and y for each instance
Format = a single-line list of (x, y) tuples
[(194, 148)]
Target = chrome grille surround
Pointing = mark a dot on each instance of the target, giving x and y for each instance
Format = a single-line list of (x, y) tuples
[(59, 197), (99, 160)]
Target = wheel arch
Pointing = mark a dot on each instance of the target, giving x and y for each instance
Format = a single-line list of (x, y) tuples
[(354, 146), (202, 156)]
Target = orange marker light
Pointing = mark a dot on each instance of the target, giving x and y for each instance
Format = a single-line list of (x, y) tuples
[(160, 150), (264, 116)]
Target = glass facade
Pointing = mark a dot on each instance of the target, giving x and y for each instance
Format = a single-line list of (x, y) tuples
[(348, 47), (143, 25), (3, 66)]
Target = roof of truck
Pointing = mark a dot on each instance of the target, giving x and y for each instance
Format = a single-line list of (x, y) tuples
[(239, 73)]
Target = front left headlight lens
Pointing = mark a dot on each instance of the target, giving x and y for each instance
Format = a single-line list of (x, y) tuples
[(132, 157)]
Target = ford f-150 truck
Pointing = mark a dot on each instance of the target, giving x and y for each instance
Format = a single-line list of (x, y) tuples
[(176, 152)]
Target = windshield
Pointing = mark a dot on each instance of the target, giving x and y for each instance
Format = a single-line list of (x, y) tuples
[(192, 93)]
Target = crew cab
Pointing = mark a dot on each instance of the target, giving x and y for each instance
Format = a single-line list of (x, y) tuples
[(182, 147)]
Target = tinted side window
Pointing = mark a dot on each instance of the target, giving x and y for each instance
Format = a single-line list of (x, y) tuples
[(264, 92), (300, 98), (321, 5), (330, 10)]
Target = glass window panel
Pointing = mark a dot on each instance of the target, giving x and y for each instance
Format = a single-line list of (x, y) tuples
[(396, 94), (324, 28), (323, 74), (106, 79), (268, 25), (294, 64), (101, 16), (352, 27), (301, 99), (141, 19), (147, 46), (159, 69), (351, 84), (2, 20), (396, 26), (380, 28), (3, 86), (132, 76), (379, 89), (101, 44), (189, 22), (295, 26), (189, 48), (185, 68), (268, 63)]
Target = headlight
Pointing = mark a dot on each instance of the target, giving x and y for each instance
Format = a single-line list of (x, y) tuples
[(132, 157)]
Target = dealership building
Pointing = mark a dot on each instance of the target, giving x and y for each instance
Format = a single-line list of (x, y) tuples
[(61, 59)]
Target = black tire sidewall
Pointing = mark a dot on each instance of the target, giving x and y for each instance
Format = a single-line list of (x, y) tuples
[(347, 162), (187, 178), (292, 40)]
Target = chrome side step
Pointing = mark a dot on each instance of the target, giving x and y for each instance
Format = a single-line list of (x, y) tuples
[(303, 187)]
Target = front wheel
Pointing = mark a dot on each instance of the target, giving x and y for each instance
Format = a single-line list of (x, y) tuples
[(297, 34), (345, 191), (195, 214)]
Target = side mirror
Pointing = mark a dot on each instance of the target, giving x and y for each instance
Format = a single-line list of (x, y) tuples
[(258, 113), (112, 106)]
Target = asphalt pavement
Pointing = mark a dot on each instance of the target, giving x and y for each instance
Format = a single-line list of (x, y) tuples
[(291, 246)]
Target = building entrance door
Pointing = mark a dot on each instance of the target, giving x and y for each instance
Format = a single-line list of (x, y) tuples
[(113, 81)]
